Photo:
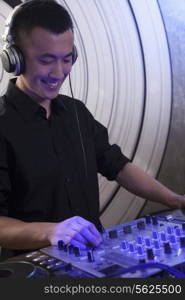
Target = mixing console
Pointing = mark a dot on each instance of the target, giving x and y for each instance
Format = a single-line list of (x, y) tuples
[(153, 246)]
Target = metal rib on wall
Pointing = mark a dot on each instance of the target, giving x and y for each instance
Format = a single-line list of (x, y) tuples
[(123, 76)]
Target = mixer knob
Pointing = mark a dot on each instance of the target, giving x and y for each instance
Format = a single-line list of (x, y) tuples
[(173, 239), (90, 256), (113, 234), (154, 220), (150, 254), (140, 250), (70, 249), (167, 248), (156, 245), (65, 248), (131, 247), (77, 251), (61, 245), (139, 239), (124, 245), (183, 226), (148, 219), (182, 242), (155, 235), (163, 236), (148, 242), (169, 229), (178, 231)]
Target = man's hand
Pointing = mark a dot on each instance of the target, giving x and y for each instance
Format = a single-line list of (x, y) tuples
[(76, 231)]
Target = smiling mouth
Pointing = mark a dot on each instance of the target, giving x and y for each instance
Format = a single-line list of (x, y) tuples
[(51, 84)]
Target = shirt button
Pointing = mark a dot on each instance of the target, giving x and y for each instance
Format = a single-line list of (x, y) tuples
[(67, 179)]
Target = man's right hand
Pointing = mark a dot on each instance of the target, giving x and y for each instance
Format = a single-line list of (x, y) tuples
[(77, 231)]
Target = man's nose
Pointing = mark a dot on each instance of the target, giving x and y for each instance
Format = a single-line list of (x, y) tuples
[(58, 69)]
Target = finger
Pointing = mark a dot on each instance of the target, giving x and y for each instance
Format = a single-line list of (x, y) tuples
[(90, 238), (78, 237), (89, 225), (76, 243)]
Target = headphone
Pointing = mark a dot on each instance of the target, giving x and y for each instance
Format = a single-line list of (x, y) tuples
[(12, 57)]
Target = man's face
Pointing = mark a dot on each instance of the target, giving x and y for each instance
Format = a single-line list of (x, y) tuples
[(48, 59)]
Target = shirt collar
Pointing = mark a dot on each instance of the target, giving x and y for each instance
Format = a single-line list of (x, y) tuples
[(27, 106)]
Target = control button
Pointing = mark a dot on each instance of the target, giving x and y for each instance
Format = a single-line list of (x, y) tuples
[(139, 240), (90, 256), (29, 255), (148, 219), (167, 248), (182, 242), (52, 260), (127, 229), (169, 229), (60, 245), (113, 234), (70, 249), (140, 250), (154, 220), (124, 245), (43, 263), (155, 235), (40, 258), (150, 254), (156, 245), (183, 226), (57, 266), (178, 231), (131, 247), (147, 242), (173, 239), (77, 252), (163, 236)]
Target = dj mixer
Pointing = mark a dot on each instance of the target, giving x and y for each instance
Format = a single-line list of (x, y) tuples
[(152, 246)]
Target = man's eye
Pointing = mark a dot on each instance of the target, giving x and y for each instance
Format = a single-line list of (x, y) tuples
[(45, 62), (67, 61)]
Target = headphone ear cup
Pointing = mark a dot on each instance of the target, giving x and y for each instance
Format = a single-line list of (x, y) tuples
[(13, 60), (74, 54)]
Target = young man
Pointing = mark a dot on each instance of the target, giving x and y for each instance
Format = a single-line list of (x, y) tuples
[(51, 148)]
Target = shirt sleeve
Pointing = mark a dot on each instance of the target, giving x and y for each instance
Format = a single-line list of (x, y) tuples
[(4, 179), (110, 159)]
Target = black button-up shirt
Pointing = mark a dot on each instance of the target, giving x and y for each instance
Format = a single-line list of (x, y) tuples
[(48, 167)]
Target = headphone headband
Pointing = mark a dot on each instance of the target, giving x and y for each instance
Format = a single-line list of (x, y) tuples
[(11, 56)]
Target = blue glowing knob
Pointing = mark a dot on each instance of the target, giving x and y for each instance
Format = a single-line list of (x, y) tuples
[(173, 239), (61, 245), (131, 247), (178, 231), (155, 235), (139, 240), (124, 245), (156, 244), (169, 229), (163, 236), (140, 250), (148, 242)]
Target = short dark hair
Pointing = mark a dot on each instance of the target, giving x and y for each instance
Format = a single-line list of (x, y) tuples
[(46, 14)]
